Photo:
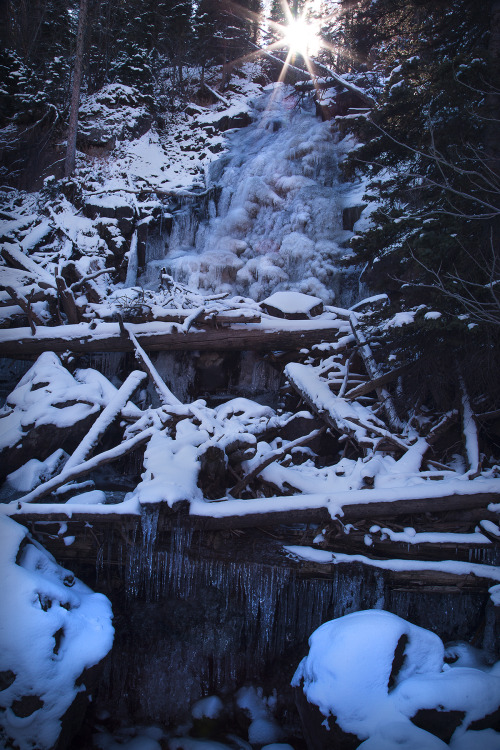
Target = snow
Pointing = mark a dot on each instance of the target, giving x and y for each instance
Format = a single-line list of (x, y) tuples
[(454, 567), (399, 319), (410, 536), (40, 602), (47, 395), (485, 739), (292, 302), (263, 729), (34, 472), (171, 467), (346, 672), (209, 707), (94, 497), (349, 674)]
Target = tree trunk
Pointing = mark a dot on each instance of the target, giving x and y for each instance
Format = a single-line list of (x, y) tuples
[(75, 91)]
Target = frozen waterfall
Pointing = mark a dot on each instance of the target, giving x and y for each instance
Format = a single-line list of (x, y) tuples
[(274, 219)]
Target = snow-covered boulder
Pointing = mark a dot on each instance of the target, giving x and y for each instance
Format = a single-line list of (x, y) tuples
[(373, 676), (292, 305), (49, 407), (54, 632)]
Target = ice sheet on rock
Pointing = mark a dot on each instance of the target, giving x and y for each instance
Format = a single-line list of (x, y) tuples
[(52, 628)]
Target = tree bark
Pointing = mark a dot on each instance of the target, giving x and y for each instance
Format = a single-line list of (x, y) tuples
[(69, 165)]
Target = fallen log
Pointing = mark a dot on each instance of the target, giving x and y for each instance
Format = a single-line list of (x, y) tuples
[(374, 373), (433, 568), (442, 426), (165, 394), (273, 456), (373, 385), (105, 419), (16, 259), (25, 304), (345, 418), (106, 337), (68, 302), (335, 80), (81, 469), (239, 514)]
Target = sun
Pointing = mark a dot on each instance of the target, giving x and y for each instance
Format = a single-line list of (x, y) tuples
[(301, 37)]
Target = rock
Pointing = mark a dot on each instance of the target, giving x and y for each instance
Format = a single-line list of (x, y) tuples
[(316, 734), (372, 664), (26, 706), (292, 305), (111, 207), (440, 723), (45, 613), (114, 112), (350, 215), (48, 408)]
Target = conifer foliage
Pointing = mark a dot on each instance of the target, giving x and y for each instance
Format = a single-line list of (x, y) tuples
[(429, 158)]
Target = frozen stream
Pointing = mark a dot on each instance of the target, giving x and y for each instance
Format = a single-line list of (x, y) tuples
[(277, 221)]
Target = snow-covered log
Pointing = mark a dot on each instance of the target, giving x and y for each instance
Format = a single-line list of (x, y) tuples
[(16, 259), (374, 373), (67, 475), (273, 456), (271, 334), (68, 302), (345, 417), (470, 433), (18, 297), (373, 385), (165, 394), (105, 419)]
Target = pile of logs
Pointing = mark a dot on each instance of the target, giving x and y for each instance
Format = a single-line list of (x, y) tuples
[(340, 417)]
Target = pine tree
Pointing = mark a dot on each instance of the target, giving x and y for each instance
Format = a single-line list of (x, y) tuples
[(435, 234)]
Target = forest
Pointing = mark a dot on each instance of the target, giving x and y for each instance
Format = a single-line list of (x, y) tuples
[(249, 374)]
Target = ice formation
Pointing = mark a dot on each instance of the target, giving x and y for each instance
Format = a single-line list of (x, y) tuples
[(275, 210)]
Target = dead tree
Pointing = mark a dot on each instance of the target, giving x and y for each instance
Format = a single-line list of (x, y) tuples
[(69, 165)]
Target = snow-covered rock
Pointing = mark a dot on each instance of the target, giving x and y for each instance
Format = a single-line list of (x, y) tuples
[(48, 402), (53, 631), (114, 112), (293, 305), (373, 676)]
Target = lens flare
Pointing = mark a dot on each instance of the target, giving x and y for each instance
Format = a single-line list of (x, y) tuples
[(301, 37)]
